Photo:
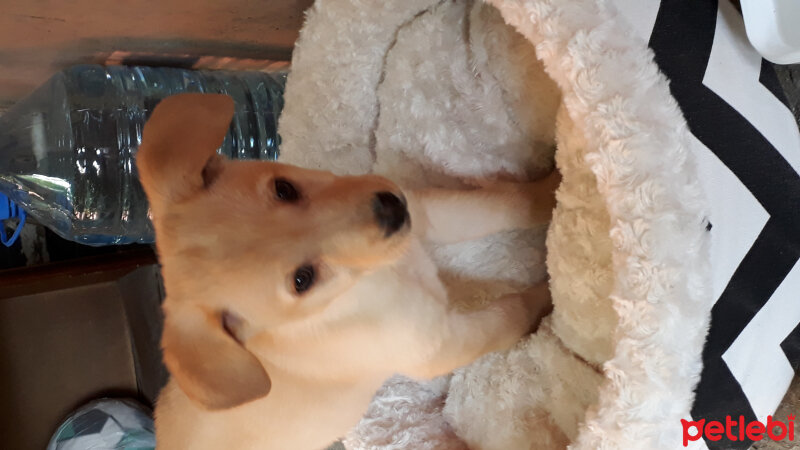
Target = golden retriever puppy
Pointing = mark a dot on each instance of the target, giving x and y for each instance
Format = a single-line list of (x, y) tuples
[(292, 294)]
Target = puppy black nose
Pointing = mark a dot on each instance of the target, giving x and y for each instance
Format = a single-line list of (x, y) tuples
[(390, 212)]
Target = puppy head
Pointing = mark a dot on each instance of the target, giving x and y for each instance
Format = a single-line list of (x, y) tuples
[(249, 246)]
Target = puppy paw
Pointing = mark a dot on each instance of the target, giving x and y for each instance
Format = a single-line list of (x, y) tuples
[(538, 304), (525, 310), (542, 196)]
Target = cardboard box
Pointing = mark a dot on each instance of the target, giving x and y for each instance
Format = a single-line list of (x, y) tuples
[(74, 332)]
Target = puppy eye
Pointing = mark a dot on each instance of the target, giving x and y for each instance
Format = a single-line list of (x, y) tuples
[(303, 278), (285, 191)]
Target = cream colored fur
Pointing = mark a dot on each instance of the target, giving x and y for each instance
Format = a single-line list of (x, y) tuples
[(451, 93), (257, 362)]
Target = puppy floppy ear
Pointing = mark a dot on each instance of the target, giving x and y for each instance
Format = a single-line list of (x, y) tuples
[(210, 366), (178, 154)]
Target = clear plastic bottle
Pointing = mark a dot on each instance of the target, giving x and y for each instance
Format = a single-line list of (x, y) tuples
[(67, 151)]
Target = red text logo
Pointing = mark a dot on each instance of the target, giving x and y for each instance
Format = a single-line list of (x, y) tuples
[(736, 430)]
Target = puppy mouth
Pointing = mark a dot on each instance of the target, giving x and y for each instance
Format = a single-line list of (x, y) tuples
[(391, 212)]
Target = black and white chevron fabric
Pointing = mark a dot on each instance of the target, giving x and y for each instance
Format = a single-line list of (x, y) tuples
[(748, 149)]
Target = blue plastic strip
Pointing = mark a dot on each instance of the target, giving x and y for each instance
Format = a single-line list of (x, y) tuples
[(9, 210), (10, 241)]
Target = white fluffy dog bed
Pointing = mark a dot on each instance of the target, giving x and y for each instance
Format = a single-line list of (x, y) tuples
[(454, 93)]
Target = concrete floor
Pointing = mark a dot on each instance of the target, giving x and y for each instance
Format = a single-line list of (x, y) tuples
[(40, 37), (789, 77)]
